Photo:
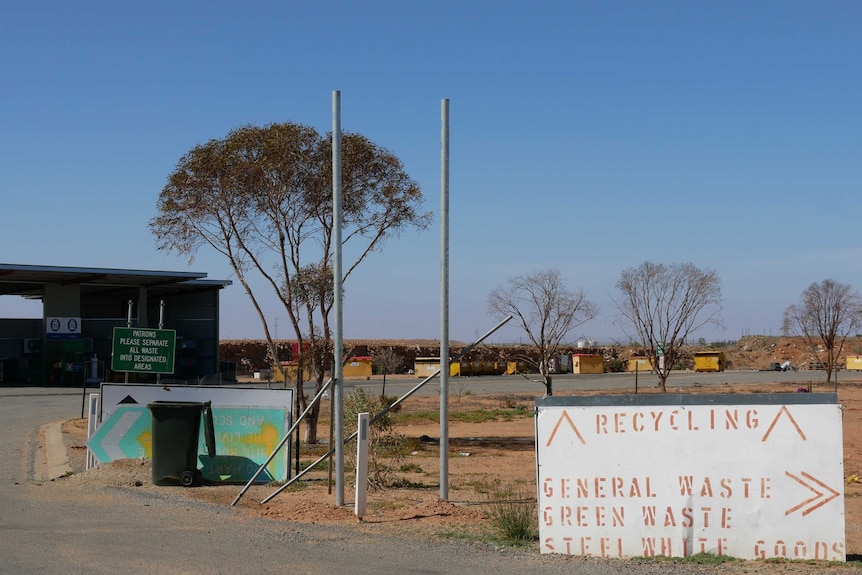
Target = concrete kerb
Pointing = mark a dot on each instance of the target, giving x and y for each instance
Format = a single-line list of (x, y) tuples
[(56, 456), (52, 459)]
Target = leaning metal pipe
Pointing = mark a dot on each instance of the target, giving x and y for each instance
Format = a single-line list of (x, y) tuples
[(463, 352), (292, 428), (284, 440)]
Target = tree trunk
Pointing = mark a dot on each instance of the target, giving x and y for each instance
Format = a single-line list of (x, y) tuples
[(311, 424), (831, 365), (662, 380), (300, 407), (300, 397), (549, 391), (661, 370)]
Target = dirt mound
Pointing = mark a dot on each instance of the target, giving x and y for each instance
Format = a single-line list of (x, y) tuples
[(750, 352)]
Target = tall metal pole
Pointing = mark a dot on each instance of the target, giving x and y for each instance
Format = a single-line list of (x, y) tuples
[(128, 324), (444, 300), (338, 370), (161, 326)]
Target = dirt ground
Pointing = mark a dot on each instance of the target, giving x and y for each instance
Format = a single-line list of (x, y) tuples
[(479, 455)]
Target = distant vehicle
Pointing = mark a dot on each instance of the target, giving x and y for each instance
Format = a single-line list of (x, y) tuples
[(775, 366)]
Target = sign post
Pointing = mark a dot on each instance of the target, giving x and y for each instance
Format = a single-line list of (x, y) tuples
[(142, 350)]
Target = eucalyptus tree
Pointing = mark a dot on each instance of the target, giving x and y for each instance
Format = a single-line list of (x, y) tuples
[(262, 198), (662, 304), (827, 313)]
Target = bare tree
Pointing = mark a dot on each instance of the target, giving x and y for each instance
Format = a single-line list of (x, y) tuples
[(388, 361), (262, 197), (826, 314), (663, 304), (547, 310)]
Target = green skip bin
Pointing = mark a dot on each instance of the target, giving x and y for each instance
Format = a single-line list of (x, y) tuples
[(176, 428)]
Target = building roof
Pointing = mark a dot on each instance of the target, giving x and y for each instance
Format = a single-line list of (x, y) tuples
[(29, 280)]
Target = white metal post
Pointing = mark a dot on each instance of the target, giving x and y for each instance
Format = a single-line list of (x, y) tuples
[(92, 425), (444, 300), (362, 441), (338, 370)]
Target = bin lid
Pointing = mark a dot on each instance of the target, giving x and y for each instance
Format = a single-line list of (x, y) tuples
[(209, 429), (176, 404)]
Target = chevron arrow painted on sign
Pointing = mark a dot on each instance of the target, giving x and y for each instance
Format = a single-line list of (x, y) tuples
[(126, 434), (823, 494)]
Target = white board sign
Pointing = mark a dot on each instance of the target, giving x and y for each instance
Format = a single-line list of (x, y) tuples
[(749, 476), (249, 423), (113, 394)]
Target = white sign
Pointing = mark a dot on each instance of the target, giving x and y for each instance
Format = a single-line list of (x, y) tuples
[(249, 423), (113, 394), (749, 476), (63, 327)]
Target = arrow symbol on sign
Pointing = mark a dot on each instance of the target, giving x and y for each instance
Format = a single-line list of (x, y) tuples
[(827, 492), (120, 436), (786, 412), (565, 416)]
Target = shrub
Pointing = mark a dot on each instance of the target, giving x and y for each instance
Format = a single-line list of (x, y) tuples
[(615, 365), (512, 511), (386, 449)]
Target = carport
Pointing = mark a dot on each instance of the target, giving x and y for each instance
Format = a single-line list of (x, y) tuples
[(71, 343)]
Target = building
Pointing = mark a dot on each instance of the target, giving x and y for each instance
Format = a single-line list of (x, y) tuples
[(72, 343), (588, 363)]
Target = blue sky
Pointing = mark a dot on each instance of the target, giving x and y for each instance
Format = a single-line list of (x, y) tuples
[(585, 136)]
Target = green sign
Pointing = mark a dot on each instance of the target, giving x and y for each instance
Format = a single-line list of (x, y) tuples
[(142, 350)]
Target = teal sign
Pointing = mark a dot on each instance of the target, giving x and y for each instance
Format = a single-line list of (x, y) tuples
[(245, 438), (142, 350), (127, 434)]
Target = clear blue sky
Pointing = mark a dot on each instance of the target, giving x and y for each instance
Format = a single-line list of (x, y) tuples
[(585, 136)]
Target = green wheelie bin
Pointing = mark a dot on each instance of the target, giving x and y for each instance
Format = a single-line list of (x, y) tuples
[(176, 429)]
